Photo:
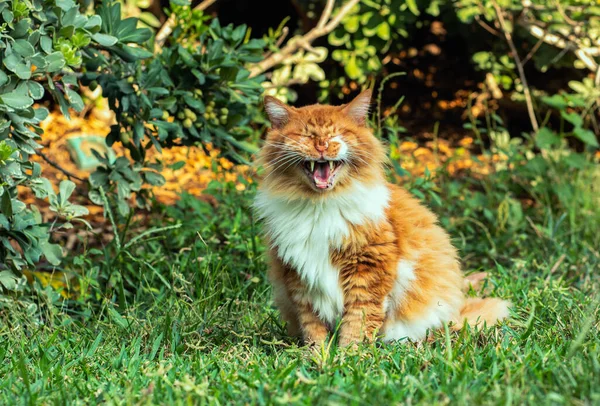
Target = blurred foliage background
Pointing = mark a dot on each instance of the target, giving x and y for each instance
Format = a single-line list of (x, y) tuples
[(175, 88)]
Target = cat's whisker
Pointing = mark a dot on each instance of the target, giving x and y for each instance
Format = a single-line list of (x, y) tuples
[(278, 168), (279, 160), (283, 159), (294, 141)]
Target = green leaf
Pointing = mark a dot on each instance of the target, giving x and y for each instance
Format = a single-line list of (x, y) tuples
[(21, 28), (556, 101), (65, 5), (572, 118), (94, 345), (131, 54), (94, 21), (65, 190), (36, 91), (5, 151), (52, 252), (578, 87), (150, 19), (586, 136), (412, 6), (16, 100), (546, 138), (16, 65), (383, 31), (77, 210), (80, 39), (117, 318), (41, 113), (177, 165), (56, 61), (154, 178), (75, 100), (46, 44), (105, 40), (6, 204), (128, 32), (23, 48), (8, 280), (576, 161), (8, 16), (352, 68), (434, 8)]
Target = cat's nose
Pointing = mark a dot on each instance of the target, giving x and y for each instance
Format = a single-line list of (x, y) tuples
[(321, 145)]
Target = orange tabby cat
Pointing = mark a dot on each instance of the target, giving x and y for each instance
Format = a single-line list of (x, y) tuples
[(344, 243)]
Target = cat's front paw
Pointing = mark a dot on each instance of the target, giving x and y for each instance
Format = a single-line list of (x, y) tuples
[(316, 339), (347, 341)]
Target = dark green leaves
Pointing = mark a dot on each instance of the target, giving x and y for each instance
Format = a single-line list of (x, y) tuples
[(6, 204)]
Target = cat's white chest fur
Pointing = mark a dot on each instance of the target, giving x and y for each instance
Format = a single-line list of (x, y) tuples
[(305, 232)]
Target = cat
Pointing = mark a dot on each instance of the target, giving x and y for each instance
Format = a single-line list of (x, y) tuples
[(344, 244)]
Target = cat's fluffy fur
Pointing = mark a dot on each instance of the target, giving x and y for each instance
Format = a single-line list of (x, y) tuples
[(347, 245)]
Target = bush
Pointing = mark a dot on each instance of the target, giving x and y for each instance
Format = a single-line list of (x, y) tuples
[(45, 44), (563, 34), (194, 92)]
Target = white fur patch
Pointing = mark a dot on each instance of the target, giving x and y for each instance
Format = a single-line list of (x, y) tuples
[(304, 231), (405, 275), (415, 330), (343, 152)]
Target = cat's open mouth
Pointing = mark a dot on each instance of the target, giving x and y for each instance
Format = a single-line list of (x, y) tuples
[(322, 173)]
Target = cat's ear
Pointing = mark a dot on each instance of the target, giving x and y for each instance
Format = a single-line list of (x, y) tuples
[(358, 109), (278, 112)]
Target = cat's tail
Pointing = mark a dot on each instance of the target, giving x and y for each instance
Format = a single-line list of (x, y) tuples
[(479, 312)]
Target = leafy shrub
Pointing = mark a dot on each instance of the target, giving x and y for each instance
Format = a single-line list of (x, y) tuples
[(45, 43), (373, 30), (563, 34), (194, 92)]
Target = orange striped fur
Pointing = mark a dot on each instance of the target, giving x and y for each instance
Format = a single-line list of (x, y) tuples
[(345, 245)]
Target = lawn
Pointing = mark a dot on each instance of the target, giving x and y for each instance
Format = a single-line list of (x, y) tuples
[(182, 314)]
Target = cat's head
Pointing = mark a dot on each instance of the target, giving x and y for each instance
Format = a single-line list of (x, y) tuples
[(318, 149)]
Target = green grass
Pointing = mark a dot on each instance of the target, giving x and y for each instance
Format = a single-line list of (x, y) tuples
[(187, 318)]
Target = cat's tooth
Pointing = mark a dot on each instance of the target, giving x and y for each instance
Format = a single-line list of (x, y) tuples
[(312, 166), (331, 165)]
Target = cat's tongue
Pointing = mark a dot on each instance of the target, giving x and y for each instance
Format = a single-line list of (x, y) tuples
[(321, 175)]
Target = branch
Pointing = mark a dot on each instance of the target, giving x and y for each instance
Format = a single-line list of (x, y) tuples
[(484, 25), (167, 28), (326, 14), (533, 50), (60, 168), (584, 54), (288, 83), (511, 44), (324, 27)]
